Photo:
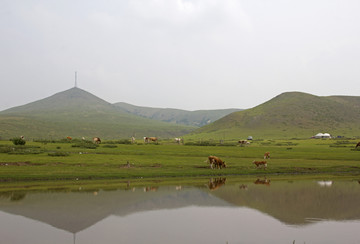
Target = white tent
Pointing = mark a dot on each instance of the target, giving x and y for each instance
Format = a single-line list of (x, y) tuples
[(322, 135), (326, 135)]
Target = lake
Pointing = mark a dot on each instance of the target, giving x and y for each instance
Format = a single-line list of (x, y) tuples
[(216, 210)]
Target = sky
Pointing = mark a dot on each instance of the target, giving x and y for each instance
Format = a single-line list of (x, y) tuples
[(185, 54)]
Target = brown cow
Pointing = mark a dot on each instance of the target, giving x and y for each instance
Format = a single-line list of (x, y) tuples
[(357, 145), (96, 140), (243, 142), (148, 139), (260, 163), (267, 155), (213, 160)]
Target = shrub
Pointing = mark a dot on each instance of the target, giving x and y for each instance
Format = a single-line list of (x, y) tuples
[(85, 144), (109, 146), (58, 154), (18, 141), (123, 141), (5, 149), (202, 143)]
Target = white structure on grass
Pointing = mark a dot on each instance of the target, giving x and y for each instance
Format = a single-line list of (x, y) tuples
[(322, 135)]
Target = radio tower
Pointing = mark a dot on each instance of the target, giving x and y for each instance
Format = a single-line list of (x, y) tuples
[(75, 79)]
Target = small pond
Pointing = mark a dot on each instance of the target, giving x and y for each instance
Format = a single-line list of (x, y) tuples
[(217, 210)]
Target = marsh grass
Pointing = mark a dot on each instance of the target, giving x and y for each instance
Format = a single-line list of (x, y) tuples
[(166, 159)]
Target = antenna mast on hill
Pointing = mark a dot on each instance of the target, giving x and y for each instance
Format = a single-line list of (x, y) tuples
[(75, 79)]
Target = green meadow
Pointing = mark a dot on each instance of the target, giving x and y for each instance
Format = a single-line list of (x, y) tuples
[(119, 160)]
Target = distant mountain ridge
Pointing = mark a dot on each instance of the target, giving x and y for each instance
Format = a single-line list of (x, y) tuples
[(71, 99), (196, 118), (78, 113), (289, 115)]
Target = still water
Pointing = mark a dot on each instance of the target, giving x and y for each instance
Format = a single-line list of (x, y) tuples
[(216, 210)]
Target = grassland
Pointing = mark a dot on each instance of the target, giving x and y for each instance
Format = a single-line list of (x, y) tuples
[(289, 115), (47, 161)]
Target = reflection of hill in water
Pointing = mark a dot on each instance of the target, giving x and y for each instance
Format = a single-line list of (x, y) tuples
[(291, 203), (298, 202), (76, 211)]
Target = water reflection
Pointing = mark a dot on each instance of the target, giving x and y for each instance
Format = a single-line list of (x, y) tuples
[(262, 182), (215, 183), (212, 212), (325, 183)]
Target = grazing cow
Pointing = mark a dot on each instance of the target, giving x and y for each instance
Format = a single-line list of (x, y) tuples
[(244, 142), (178, 140), (213, 160), (96, 140), (262, 182), (260, 163), (132, 140), (148, 139), (267, 155), (69, 138), (154, 139), (357, 145), (214, 184)]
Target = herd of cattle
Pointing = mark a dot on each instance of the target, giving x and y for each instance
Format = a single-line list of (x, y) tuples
[(214, 161), (219, 164)]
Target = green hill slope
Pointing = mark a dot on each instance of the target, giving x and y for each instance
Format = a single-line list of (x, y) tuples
[(289, 115), (193, 118), (77, 113)]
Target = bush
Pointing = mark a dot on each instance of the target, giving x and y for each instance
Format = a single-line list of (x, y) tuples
[(18, 141), (124, 141), (109, 146), (58, 154), (202, 143), (85, 144), (5, 149)]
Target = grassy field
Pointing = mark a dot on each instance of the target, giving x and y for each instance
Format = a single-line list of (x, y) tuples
[(46, 161)]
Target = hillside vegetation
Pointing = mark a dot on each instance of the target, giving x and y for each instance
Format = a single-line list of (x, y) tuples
[(77, 113), (196, 118), (289, 115)]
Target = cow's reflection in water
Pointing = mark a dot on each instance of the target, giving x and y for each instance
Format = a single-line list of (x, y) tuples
[(150, 188), (262, 182), (215, 183), (243, 187)]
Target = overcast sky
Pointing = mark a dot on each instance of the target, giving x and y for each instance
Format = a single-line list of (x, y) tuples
[(186, 54)]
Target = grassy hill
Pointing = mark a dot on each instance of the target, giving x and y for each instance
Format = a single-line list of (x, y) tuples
[(193, 118), (77, 113), (289, 115)]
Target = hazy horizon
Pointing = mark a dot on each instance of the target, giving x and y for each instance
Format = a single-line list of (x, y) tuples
[(183, 54)]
